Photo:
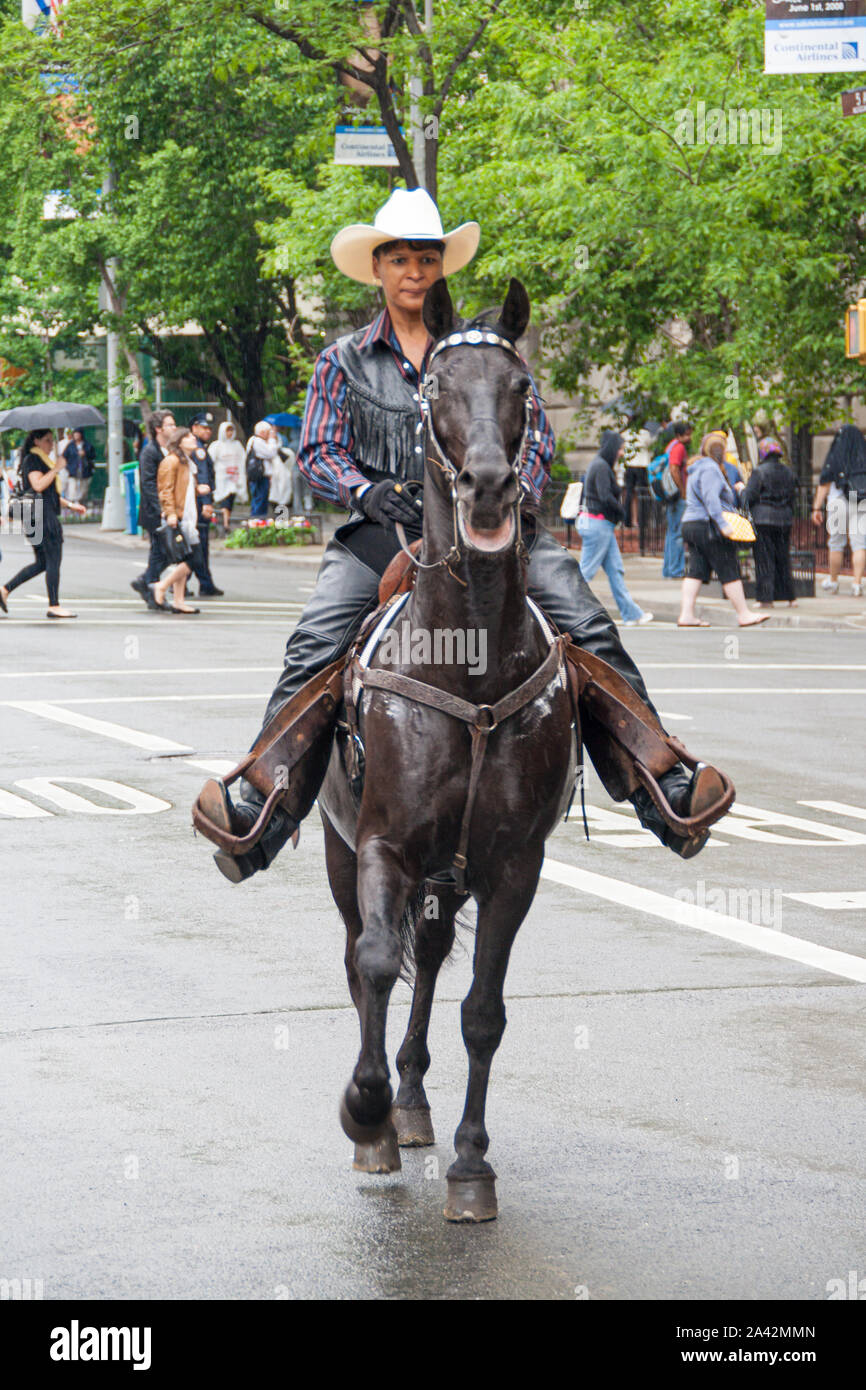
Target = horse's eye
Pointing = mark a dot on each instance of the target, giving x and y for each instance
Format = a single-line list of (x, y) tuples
[(522, 384)]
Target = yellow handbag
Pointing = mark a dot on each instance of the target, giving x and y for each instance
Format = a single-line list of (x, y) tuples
[(739, 528)]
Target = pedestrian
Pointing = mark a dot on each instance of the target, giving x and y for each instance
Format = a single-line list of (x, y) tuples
[(674, 563), (177, 483), (842, 486), (160, 427), (600, 514), (636, 456), (41, 477), (202, 431), (302, 497), (228, 461), (78, 457), (706, 533), (769, 495), (262, 447), (280, 494)]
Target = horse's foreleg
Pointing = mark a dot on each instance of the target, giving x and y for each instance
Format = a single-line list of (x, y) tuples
[(383, 890), (434, 937), (471, 1180)]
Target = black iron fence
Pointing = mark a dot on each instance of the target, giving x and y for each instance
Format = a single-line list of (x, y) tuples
[(646, 536)]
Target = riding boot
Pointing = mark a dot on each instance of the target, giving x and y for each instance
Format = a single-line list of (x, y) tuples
[(689, 793), (238, 818)]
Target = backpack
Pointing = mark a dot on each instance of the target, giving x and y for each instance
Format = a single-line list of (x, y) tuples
[(254, 465), (662, 482)]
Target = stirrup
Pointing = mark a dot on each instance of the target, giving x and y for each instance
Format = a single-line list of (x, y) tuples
[(687, 827), (234, 845)]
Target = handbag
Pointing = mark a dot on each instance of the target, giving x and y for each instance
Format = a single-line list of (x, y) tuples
[(740, 528), (174, 542)]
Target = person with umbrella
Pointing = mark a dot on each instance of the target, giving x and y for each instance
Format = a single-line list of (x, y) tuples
[(41, 482)]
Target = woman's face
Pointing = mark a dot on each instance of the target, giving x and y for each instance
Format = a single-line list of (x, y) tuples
[(189, 442), (45, 441)]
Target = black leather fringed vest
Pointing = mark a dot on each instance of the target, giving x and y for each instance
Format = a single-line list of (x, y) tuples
[(384, 410)]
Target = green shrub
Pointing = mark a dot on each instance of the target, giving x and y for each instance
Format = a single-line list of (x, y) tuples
[(251, 537)]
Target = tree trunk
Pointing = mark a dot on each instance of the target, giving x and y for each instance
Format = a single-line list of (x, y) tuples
[(801, 453)]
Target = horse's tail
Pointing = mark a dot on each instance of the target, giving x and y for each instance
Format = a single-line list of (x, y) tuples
[(413, 913), (422, 903)]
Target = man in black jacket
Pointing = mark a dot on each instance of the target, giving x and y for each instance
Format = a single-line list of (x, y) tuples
[(159, 427), (200, 425), (600, 513)]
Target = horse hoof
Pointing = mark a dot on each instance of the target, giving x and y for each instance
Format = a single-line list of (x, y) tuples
[(382, 1156), (414, 1126), (358, 1133), (471, 1199)]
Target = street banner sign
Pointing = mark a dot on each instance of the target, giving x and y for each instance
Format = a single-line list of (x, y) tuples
[(854, 102), (363, 144), (815, 36)]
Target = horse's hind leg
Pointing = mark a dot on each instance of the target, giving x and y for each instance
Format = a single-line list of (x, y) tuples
[(471, 1180), (380, 1155), (434, 937)]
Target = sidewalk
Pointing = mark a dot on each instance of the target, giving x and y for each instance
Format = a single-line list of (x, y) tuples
[(643, 577), (662, 598)]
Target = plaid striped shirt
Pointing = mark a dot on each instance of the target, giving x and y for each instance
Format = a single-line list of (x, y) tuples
[(325, 456)]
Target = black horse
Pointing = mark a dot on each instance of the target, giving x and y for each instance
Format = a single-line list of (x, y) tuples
[(438, 821)]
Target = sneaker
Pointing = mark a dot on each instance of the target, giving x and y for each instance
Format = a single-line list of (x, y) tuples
[(857, 590), (639, 622), (830, 585)]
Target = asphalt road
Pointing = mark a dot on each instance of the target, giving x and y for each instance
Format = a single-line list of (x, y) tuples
[(677, 1107)]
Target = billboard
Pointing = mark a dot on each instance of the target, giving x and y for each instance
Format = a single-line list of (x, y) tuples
[(815, 36)]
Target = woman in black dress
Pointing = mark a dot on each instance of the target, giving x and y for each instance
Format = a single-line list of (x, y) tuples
[(769, 495), (42, 503)]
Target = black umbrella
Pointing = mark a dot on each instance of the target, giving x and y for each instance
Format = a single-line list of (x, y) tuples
[(50, 415)]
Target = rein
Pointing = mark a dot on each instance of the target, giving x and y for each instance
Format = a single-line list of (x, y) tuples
[(473, 337)]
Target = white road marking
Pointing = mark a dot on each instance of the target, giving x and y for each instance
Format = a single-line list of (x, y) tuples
[(837, 808), (133, 670), (757, 690), (152, 699), (217, 766), (151, 742), (752, 822), (741, 665), (674, 718), (17, 807), (619, 828), (673, 910), (831, 902), (137, 803)]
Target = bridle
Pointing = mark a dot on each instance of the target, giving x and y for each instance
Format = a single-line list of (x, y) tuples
[(472, 337)]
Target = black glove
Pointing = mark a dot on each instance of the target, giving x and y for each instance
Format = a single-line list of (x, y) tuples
[(383, 503)]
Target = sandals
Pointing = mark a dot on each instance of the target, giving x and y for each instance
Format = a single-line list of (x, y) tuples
[(700, 623), (3, 604)]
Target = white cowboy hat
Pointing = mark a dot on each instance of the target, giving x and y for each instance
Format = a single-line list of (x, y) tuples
[(407, 216)]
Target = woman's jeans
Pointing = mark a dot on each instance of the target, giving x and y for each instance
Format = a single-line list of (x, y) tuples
[(259, 491), (674, 564), (600, 550), (47, 561)]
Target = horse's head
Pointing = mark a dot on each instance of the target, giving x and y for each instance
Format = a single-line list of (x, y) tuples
[(477, 390)]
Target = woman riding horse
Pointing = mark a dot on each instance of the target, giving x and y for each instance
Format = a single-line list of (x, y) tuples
[(360, 445)]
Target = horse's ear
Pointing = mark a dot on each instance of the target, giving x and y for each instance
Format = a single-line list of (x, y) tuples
[(515, 311), (438, 311)]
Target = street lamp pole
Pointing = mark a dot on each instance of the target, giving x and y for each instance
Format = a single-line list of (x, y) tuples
[(113, 512), (419, 143)]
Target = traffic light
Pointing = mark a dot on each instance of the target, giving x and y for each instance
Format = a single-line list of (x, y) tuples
[(855, 330)]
